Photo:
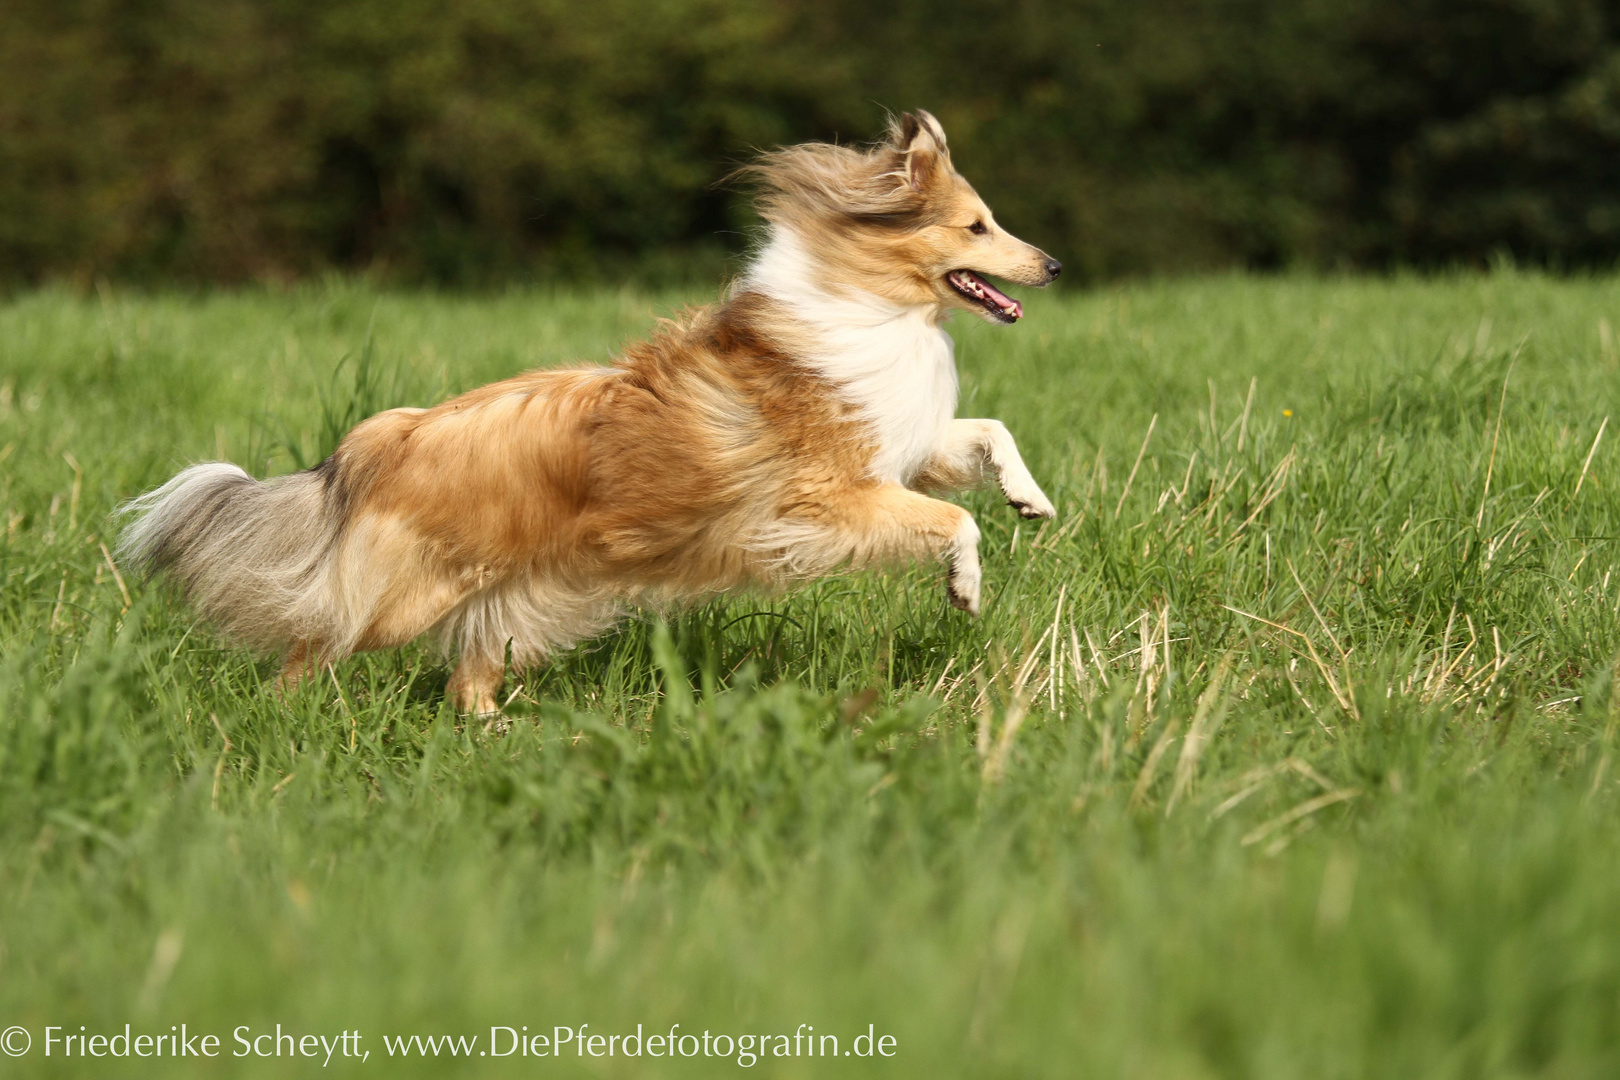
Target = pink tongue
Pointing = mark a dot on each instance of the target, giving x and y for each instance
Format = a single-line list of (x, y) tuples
[(1005, 302)]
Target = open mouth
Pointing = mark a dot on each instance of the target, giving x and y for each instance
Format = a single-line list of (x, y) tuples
[(1000, 306)]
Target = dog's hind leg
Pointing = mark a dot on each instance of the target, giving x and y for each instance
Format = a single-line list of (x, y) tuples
[(474, 684), (477, 632), (303, 660), (533, 618)]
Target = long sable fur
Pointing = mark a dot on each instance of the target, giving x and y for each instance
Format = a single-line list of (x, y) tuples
[(778, 435)]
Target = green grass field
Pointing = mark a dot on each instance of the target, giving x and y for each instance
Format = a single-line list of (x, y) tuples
[(1286, 750)]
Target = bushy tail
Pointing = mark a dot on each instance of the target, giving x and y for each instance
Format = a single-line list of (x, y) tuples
[(253, 557)]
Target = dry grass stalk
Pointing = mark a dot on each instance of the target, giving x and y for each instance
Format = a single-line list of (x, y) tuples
[(1339, 694), (1139, 455), (1587, 464), (1199, 734), (1479, 519), (1304, 809)]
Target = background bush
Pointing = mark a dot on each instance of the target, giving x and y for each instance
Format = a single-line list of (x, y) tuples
[(483, 140)]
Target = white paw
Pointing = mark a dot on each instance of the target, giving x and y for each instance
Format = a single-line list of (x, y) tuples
[(963, 593), (962, 585), (1026, 496)]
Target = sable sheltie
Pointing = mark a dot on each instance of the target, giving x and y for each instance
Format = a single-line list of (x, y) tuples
[(779, 435)]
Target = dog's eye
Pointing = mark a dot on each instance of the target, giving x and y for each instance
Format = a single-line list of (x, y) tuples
[(977, 228)]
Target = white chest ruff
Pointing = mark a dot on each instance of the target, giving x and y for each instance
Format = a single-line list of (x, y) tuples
[(894, 364), (901, 377)]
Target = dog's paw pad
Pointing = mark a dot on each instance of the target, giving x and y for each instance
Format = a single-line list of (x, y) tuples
[(1034, 510), (1028, 499), (964, 598)]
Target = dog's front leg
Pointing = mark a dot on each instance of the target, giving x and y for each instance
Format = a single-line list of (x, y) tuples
[(974, 448), (889, 524)]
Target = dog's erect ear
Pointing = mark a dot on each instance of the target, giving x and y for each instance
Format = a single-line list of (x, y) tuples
[(920, 139)]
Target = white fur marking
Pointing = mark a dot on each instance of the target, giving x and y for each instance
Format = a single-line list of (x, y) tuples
[(1013, 475), (966, 579), (890, 361)]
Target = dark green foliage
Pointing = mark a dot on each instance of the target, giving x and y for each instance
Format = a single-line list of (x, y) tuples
[(485, 140)]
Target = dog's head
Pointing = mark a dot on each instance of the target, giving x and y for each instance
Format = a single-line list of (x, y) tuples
[(897, 220)]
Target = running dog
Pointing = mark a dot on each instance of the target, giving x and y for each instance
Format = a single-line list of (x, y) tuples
[(783, 434)]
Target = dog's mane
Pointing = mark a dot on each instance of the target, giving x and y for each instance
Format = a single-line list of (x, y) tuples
[(867, 184)]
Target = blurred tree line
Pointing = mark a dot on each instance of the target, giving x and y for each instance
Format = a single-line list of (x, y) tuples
[(476, 140)]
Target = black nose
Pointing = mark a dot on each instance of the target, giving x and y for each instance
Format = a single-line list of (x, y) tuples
[(1053, 268)]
